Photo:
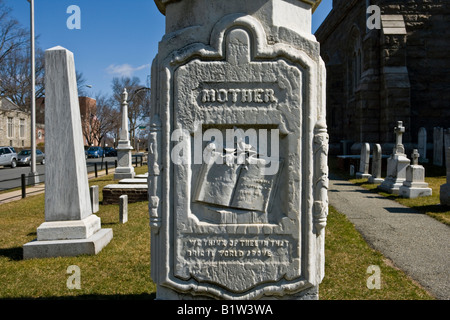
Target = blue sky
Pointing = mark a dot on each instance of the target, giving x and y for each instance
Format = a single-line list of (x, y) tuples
[(117, 37)]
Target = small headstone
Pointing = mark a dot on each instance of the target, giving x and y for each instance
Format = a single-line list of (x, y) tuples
[(396, 164), (70, 228), (93, 192), (363, 172), (422, 145), (375, 177), (446, 143), (415, 186), (123, 208), (352, 170), (438, 145), (445, 188)]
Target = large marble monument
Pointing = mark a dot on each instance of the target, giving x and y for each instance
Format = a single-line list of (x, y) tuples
[(396, 164), (414, 185), (70, 228), (238, 172)]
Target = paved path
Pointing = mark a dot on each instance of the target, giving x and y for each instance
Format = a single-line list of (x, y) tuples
[(416, 243)]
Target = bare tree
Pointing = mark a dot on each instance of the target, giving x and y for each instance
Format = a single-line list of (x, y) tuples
[(12, 35), (101, 121), (15, 63)]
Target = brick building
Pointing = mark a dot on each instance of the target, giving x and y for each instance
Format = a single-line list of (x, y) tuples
[(398, 72), (88, 112)]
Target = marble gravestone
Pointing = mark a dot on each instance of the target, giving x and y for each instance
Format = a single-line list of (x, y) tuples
[(414, 185), (238, 150), (70, 228), (124, 168), (364, 162), (375, 177), (422, 145), (438, 146), (444, 194), (396, 164)]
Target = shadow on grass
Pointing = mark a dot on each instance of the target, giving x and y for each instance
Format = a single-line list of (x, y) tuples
[(14, 254)]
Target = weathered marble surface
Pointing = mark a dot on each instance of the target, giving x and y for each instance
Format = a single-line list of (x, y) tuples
[(70, 228), (223, 231)]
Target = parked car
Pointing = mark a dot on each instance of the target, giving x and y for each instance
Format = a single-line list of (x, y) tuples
[(95, 152), (8, 157), (110, 152), (24, 157)]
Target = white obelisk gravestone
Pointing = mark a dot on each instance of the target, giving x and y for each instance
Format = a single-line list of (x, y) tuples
[(125, 168), (70, 228)]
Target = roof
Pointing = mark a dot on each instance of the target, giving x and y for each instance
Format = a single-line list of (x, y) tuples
[(6, 104)]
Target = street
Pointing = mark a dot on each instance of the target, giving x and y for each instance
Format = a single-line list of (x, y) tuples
[(11, 177)]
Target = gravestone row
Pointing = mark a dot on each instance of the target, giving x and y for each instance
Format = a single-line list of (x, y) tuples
[(403, 178)]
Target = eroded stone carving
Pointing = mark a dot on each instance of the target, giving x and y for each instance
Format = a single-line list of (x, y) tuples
[(225, 230)]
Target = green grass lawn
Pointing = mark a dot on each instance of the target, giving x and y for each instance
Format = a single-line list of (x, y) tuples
[(122, 269)]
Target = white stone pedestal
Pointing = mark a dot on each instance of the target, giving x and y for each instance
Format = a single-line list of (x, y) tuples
[(68, 238), (396, 173)]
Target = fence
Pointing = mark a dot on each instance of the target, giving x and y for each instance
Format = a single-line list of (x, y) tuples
[(22, 182)]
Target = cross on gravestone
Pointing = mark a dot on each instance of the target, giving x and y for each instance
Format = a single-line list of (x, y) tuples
[(399, 130), (415, 157), (396, 164)]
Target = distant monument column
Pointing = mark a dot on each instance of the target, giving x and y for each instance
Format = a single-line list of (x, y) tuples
[(125, 168), (70, 228), (238, 149)]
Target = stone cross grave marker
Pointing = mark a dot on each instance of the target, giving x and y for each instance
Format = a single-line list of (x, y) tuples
[(414, 185), (396, 164)]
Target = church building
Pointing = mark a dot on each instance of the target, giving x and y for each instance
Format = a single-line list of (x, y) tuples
[(387, 61)]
